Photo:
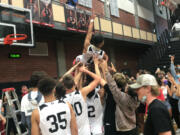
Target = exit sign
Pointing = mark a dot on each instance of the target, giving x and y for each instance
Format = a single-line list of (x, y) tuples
[(14, 55)]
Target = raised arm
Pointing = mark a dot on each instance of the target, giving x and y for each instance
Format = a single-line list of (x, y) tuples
[(87, 89), (89, 33), (118, 95), (78, 80), (70, 71), (172, 68), (97, 71)]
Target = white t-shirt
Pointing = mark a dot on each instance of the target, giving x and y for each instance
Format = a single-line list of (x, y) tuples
[(55, 118), (80, 108), (176, 26), (28, 106), (95, 114), (164, 91)]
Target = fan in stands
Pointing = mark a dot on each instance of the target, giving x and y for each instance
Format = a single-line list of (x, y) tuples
[(8, 40)]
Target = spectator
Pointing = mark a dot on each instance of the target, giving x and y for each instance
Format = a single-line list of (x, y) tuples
[(158, 121), (31, 100), (163, 83), (24, 90), (126, 104), (175, 102)]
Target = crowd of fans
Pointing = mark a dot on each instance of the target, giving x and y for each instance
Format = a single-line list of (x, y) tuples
[(93, 98)]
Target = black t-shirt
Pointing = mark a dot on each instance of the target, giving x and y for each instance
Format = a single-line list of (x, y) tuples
[(109, 113), (158, 119)]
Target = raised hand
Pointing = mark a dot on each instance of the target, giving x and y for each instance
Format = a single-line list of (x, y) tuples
[(172, 58), (96, 60), (93, 16), (157, 70), (170, 78), (83, 69), (113, 67), (105, 65)]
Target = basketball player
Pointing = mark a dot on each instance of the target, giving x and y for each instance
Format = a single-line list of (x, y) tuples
[(95, 113), (95, 105), (77, 98), (92, 45), (46, 14), (54, 117)]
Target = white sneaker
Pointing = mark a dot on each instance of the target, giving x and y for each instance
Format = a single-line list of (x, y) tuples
[(178, 130)]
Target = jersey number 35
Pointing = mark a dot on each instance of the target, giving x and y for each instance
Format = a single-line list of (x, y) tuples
[(57, 122)]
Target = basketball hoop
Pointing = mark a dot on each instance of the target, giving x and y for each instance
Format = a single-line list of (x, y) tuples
[(8, 40)]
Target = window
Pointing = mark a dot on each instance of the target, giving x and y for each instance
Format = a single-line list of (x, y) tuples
[(114, 8), (86, 3)]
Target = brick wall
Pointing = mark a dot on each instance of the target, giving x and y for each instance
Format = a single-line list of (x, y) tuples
[(161, 24), (72, 48), (146, 25), (14, 70), (123, 52), (125, 18), (129, 55)]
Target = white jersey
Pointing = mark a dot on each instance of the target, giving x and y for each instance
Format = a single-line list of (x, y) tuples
[(27, 106), (88, 56), (55, 118), (95, 114), (80, 108)]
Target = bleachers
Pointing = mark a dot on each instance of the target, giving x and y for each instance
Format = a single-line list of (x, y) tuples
[(158, 55)]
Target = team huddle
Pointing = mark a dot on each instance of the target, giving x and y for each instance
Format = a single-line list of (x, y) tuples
[(73, 104)]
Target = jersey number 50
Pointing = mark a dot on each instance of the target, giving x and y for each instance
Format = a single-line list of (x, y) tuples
[(57, 121)]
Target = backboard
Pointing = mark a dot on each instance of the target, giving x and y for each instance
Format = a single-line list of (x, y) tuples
[(16, 21)]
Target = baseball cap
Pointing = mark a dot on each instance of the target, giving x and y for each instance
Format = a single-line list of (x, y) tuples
[(144, 80)]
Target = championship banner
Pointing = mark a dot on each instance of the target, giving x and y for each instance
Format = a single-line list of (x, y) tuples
[(34, 6), (88, 18), (81, 20), (46, 14), (71, 18)]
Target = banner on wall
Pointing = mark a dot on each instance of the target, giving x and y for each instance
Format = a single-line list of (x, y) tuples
[(34, 6), (46, 14), (81, 20), (71, 19), (88, 18)]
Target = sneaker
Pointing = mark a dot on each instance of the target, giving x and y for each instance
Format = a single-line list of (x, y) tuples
[(178, 130)]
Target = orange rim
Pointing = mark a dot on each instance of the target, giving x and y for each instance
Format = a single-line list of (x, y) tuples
[(8, 40)]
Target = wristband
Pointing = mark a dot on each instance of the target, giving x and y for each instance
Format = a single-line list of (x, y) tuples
[(92, 20)]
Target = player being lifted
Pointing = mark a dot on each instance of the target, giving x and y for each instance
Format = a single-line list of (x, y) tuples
[(77, 98), (92, 45), (54, 117)]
